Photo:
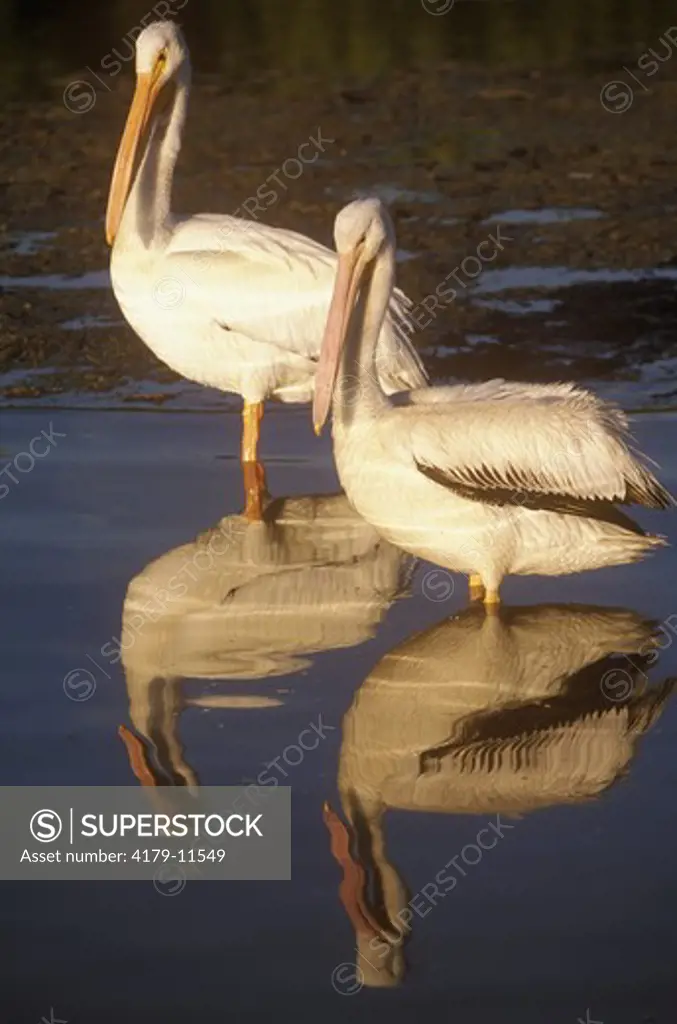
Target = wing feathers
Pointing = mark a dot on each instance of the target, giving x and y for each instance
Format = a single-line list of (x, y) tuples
[(603, 511), (562, 443), (274, 286)]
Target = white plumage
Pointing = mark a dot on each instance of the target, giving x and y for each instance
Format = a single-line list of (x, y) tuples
[(229, 303), (485, 479), (534, 439)]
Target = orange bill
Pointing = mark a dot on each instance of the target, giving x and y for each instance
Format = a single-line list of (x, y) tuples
[(145, 96), (351, 266)]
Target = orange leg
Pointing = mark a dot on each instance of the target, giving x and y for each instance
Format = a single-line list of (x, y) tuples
[(252, 414), (254, 478)]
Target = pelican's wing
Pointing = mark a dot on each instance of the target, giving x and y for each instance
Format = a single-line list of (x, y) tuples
[(274, 286), (499, 389), (560, 442)]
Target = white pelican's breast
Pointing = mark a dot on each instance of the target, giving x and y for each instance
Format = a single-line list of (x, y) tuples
[(408, 508), (172, 306), (169, 313)]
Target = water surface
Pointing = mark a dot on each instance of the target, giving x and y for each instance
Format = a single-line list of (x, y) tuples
[(436, 720)]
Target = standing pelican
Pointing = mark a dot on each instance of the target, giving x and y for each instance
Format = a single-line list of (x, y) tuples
[(229, 303), (486, 480)]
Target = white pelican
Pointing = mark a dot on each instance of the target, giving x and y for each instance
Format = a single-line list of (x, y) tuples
[(247, 602), (482, 714), (229, 303), (486, 480)]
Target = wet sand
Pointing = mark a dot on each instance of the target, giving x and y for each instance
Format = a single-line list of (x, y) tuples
[(572, 910), (449, 146)]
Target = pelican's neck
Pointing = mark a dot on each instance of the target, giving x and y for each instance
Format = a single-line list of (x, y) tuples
[(358, 391), (148, 210)]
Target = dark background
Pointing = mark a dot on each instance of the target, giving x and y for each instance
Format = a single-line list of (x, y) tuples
[(359, 37)]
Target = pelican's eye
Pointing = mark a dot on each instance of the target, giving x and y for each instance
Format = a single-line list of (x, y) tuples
[(161, 62)]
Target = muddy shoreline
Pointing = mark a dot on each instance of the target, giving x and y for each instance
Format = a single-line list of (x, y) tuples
[(449, 146)]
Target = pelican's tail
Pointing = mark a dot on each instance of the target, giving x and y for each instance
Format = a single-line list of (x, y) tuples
[(623, 547)]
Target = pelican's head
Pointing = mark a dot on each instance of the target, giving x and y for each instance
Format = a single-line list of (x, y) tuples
[(363, 230), (161, 49), (363, 225), (161, 58)]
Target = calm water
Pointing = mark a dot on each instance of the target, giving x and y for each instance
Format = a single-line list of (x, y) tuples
[(437, 719), (355, 37)]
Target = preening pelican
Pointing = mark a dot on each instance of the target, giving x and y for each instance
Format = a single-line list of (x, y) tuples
[(486, 480), (228, 303), (482, 714)]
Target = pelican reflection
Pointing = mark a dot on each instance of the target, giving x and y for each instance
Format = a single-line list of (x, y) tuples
[(482, 714), (247, 601)]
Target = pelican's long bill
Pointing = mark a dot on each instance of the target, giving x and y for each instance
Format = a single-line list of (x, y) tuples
[(351, 267), (148, 86)]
